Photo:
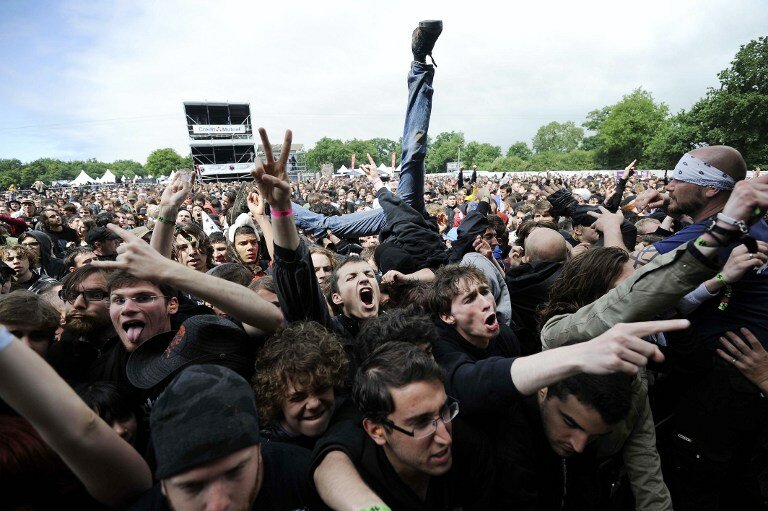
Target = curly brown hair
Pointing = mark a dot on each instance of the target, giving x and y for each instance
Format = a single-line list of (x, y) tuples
[(304, 354), (20, 250)]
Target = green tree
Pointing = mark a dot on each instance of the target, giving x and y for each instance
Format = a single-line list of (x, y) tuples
[(595, 119), (164, 161), (327, 150), (509, 164), (559, 137), (128, 168), (479, 154), (443, 149), (10, 172), (384, 149), (674, 137), (736, 113), (624, 130), (521, 150), (359, 148)]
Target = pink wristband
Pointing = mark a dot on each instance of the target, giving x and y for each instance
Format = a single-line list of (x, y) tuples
[(276, 213), (376, 181)]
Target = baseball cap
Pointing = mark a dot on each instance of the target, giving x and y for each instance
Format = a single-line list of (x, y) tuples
[(207, 412), (100, 234), (200, 339)]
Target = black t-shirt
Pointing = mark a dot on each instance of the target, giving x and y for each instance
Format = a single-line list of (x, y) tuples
[(467, 485), (285, 486)]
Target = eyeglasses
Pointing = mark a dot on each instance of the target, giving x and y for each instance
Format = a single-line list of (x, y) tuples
[(448, 412), (120, 301), (89, 295), (31, 244)]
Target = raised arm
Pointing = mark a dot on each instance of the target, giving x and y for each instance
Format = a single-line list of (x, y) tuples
[(165, 227), (256, 209), (295, 282), (112, 471), (272, 179), (139, 259)]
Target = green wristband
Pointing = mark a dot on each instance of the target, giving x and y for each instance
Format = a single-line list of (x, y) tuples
[(721, 279), (382, 507), (167, 221)]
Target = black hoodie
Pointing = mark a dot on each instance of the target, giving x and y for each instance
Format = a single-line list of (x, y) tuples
[(529, 286), (474, 224), (50, 265)]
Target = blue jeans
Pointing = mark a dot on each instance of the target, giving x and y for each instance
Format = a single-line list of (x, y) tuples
[(411, 185)]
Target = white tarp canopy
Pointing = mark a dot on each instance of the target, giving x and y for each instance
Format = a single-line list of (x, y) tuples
[(82, 179), (108, 177)]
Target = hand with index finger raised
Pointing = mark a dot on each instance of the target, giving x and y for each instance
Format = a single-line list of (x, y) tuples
[(135, 256)]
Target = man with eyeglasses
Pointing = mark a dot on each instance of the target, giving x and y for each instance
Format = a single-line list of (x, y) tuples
[(413, 454)]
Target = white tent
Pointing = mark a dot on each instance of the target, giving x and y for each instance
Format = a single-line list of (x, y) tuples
[(108, 177), (82, 179)]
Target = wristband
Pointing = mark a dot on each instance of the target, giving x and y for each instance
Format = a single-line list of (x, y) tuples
[(166, 221), (6, 338), (721, 279), (742, 226), (281, 213), (377, 507), (376, 181)]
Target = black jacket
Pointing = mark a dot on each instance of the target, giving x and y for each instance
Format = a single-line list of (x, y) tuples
[(408, 241), (531, 477), (476, 222), (529, 286)]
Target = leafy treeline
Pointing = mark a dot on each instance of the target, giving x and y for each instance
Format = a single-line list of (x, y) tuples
[(159, 162), (636, 127)]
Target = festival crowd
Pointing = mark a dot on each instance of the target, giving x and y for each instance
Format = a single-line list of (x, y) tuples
[(549, 342)]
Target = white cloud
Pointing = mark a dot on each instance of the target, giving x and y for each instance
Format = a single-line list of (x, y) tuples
[(113, 81)]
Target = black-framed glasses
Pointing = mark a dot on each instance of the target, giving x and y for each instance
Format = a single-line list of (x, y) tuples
[(448, 412), (89, 295)]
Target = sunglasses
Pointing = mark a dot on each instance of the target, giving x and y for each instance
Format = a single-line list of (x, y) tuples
[(89, 295)]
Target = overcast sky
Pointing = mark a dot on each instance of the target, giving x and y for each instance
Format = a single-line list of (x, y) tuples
[(107, 80)]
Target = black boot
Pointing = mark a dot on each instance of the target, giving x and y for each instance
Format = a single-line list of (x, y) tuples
[(424, 38)]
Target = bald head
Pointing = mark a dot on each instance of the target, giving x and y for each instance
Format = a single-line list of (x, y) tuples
[(725, 158), (545, 245)]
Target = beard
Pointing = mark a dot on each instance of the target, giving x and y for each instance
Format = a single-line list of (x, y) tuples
[(87, 326), (691, 207)]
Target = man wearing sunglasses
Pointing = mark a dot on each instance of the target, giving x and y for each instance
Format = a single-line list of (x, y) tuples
[(89, 337), (412, 454)]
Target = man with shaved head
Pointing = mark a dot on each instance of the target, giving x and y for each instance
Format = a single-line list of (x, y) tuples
[(545, 245), (719, 419), (545, 252)]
